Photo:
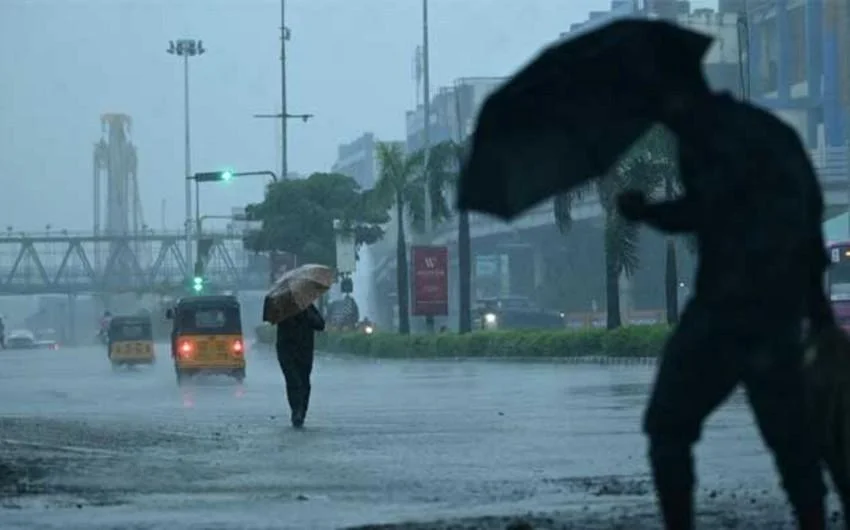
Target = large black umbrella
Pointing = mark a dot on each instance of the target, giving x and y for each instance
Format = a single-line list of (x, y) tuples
[(571, 113)]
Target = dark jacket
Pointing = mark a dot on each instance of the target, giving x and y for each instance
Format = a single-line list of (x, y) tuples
[(295, 335), (753, 200)]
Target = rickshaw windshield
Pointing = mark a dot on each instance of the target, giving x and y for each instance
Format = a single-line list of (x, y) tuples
[(130, 331), (210, 320)]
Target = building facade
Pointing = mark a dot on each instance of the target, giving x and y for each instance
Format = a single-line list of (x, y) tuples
[(358, 160), (453, 111), (797, 61), (798, 64)]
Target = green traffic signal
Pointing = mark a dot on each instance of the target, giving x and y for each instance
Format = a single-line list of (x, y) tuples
[(214, 176), (198, 284)]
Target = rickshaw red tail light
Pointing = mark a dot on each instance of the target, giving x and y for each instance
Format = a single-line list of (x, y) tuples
[(238, 348), (186, 349)]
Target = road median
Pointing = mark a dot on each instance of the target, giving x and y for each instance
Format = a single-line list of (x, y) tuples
[(631, 342)]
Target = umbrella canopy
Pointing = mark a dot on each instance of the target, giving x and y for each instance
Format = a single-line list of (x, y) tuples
[(571, 113), (295, 290)]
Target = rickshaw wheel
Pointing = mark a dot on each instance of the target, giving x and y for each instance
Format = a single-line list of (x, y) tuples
[(239, 375)]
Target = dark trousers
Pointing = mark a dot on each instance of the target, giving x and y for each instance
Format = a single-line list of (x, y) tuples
[(833, 407), (296, 368), (702, 363)]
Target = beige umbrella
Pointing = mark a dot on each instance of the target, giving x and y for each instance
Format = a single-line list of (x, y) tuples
[(295, 290)]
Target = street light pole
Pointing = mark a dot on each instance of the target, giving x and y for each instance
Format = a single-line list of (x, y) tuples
[(197, 220), (426, 109), (284, 163), (426, 93), (187, 48), (283, 115)]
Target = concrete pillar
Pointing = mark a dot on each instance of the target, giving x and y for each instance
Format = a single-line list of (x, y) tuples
[(72, 321), (505, 274), (814, 68), (755, 47), (538, 268), (833, 120), (783, 43)]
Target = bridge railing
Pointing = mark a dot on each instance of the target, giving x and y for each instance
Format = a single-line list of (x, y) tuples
[(51, 263)]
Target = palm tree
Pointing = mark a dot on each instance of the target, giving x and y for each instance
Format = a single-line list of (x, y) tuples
[(464, 254), (638, 170), (444, 163), (659, 153), (399, 184)]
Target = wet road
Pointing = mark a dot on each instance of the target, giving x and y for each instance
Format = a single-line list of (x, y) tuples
[(385, 441)]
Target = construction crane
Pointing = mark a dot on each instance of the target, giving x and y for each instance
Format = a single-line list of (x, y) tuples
[(115, 162)]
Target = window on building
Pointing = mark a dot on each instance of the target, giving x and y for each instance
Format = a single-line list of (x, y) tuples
[(797, 45), (770, 54)]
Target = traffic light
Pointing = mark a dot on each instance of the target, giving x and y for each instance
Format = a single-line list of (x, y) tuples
[(215, 176), (198, 284)]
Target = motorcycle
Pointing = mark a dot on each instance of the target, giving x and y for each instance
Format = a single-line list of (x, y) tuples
[(366, 328)]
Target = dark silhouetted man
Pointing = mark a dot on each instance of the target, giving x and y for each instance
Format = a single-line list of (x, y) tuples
[(753, 202), (295, 343)]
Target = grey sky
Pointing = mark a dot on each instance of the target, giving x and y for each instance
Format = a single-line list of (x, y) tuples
[(65, 62)]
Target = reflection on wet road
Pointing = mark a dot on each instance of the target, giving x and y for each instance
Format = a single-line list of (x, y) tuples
[(384, 441)]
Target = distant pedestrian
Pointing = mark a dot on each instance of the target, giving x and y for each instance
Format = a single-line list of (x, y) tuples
[(2, 334), (295, 345)]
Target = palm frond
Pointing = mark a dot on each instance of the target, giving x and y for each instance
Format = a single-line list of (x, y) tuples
[(413, 164), (390, 159), (563, 206), (414, 205), (609, 187), (622, 243)]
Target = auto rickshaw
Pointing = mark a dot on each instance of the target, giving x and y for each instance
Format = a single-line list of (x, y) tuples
[(130, 341), (206, 337)]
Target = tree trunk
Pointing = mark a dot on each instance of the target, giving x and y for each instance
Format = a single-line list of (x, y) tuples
[(402, 272), (464, 258), (671, 283), (671, 274), (612, 292)]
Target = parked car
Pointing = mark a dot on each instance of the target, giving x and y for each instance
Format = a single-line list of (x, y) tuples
[(515, 312), (23, 339)]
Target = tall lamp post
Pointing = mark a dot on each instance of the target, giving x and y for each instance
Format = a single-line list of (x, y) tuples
[(283, 115), (426, 96), (186, 48), (426, 133)]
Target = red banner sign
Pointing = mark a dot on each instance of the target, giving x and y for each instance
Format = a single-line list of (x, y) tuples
[(430, 280)]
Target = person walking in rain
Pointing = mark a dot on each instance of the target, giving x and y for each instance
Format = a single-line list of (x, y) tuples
[(295, 344), (752, 200)]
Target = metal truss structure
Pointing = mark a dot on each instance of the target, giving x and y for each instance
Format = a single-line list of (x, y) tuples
[(147, 263)]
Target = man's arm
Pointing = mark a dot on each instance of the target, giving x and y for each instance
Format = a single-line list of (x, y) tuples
[(315, 318)]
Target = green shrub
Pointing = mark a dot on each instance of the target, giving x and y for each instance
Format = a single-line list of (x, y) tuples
[(630, 341)]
